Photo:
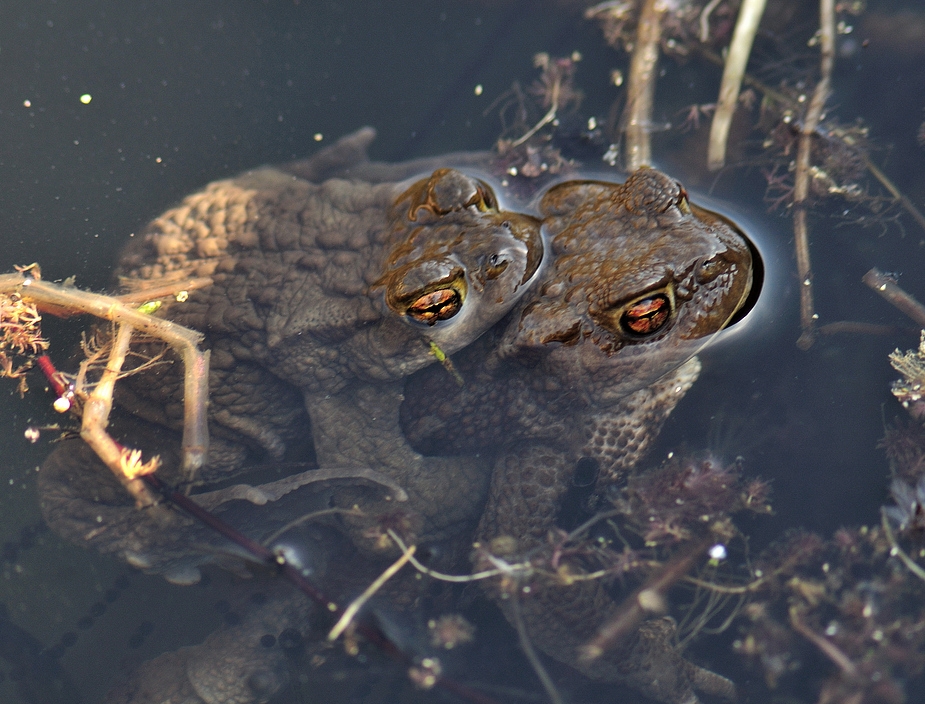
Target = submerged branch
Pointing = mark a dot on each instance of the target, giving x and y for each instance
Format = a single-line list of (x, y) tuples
[(829, 649), (739, 50), (640, 87), (903, 200), (886, 286), (802, 175), (897, 551), (269, 558), (346, 618), (643, 602), (527, 646)]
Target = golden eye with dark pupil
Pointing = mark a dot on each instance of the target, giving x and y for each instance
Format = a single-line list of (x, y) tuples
[(647, 316), (436, 305)]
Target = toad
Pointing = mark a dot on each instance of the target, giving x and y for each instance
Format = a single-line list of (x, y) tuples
[(325, 292), (586, 368), (580, 378)]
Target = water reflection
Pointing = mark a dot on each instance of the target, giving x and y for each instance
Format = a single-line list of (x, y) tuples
[(181, 99)]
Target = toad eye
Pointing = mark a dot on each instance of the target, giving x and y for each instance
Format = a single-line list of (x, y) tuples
[(441, 304), (646, 316), (682, 203)]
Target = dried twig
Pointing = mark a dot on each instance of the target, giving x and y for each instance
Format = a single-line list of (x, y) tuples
[(527, 646), (904, 201), (829, 649), (802, 175), (347, 617), (643, 602), (739, 50), (886, 286), (69, 300), (640, 86), (95, 417)]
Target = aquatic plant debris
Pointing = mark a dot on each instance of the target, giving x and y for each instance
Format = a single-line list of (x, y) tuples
[(27, 288)]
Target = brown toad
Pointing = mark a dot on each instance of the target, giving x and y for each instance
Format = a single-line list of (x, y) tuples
[(584, 373), (325, 293), (637, 269)]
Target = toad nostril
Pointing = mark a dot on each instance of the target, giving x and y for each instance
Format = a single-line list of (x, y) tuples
[(290, 639), (586, 471), (709, 269)]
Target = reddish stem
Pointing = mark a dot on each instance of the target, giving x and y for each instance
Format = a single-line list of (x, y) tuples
[(54, 378), (265, 555)]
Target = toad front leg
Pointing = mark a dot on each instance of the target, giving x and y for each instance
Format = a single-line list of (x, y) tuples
[(358, 427), (562, 616)]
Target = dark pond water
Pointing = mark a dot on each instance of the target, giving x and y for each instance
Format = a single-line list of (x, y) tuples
[(179, 94)]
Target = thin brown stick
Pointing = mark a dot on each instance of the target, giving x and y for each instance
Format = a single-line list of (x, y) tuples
[(739, 50), (351, 611), (530, 652), (802, 173), (830, 650), (95, 417), (895, 192), (779, 97), (195, 442), (640, 86), (887, 287), (640, 604)]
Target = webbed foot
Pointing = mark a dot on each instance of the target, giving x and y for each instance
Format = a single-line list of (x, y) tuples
[(243, 664)]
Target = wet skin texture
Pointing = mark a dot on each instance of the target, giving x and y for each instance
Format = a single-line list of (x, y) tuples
[(326, 292), (583, 374), (588, 365)]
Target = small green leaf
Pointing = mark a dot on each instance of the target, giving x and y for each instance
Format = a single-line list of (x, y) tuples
[(446, 362), (150, 307)]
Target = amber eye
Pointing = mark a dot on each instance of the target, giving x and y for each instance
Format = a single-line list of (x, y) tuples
[(684, 205), (436, 305), (647, 315)]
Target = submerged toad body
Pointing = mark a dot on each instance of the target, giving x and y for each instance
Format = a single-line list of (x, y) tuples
[(324, 293), (583, 374), (589, 364)]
